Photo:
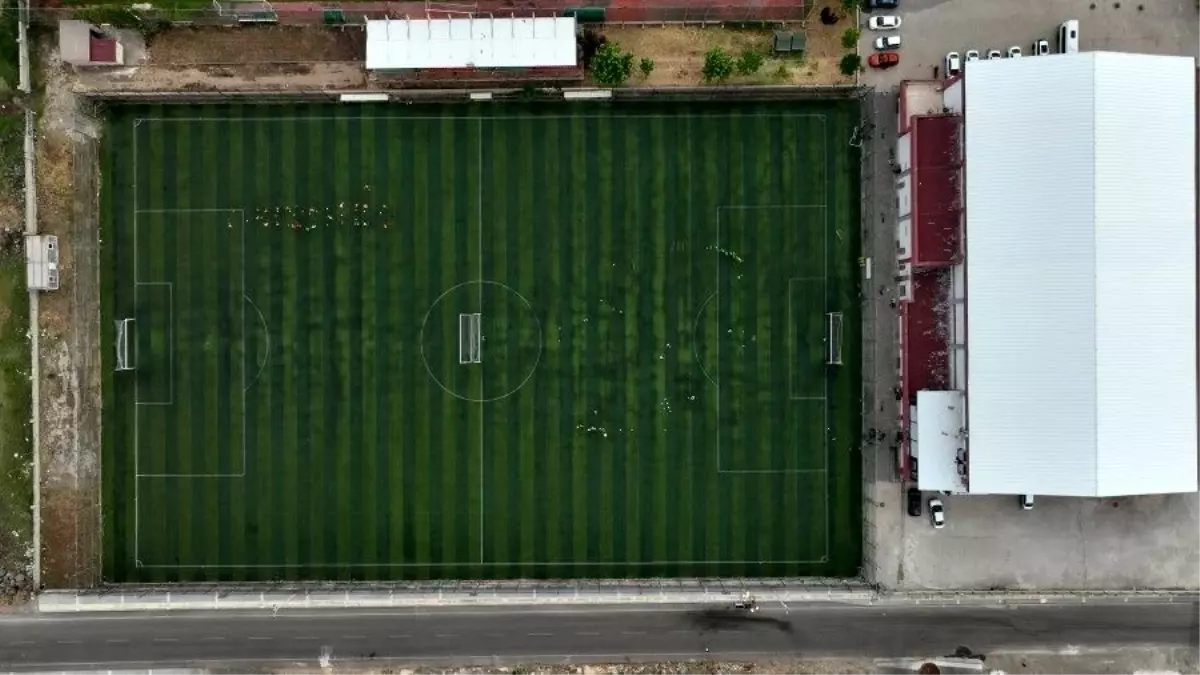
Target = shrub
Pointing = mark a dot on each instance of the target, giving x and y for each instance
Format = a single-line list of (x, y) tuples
[(849, 6), (718, 65), (646, 65), (850, 64), (750, 62), (850, 38), (783, 73), (611, 66)]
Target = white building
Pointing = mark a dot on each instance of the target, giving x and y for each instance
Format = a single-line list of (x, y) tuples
[(1073, 293)]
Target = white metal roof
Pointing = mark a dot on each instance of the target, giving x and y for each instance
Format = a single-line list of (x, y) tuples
[(1081, 274), (395, 44), (936, 437)]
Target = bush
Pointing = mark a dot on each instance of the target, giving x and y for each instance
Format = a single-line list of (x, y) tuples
[(783, 73), (851, 63), (850, 38), (646, 66), (718, 65), (611, 66), (750, 62), (849, 6)]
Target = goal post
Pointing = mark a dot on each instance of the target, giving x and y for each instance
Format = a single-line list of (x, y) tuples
[(833, 338), (124, 328)]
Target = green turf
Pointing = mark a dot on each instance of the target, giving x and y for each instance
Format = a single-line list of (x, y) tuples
[(652, 400)]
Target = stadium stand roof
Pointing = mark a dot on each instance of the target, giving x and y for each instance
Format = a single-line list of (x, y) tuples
[(1081, 274), (405, 44)]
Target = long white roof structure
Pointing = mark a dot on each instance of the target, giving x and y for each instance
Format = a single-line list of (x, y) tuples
[(1081, 274), (402, 44)]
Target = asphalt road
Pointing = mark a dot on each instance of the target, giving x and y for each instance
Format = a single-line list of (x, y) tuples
[(587, 634)]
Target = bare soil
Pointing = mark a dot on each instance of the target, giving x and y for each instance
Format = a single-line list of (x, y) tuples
[(242, 77), (277, 44), (68, 355)]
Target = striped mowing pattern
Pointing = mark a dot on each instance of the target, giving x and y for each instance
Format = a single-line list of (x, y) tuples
[(651, 399)]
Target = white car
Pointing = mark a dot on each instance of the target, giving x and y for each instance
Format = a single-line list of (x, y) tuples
[(884, 22), (886, 43), (1026, 502), (971, 55), (937, 513), (994, 54), (953, 64), (1040, 48), (1014, 52)]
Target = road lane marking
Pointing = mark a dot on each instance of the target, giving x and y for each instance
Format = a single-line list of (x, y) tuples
[(305, 637), (354, 637), (400, 636), (22, 643), (446, 635), (118, 641), (540, 634), (162, 639), (213, 638), (260, 638), (70, 642), (633, 632), (586, 632)]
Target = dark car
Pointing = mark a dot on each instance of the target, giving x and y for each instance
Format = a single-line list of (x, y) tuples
[(914, 502), (882, 4)]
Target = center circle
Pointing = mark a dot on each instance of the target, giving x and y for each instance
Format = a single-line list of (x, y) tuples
[(508, 347)]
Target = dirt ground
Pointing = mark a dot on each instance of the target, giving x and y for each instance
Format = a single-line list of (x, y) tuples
[(68, 328), (678, 52), (278, 44)]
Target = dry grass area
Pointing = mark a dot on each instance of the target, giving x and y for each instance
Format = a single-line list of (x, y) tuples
[(276, 44), (710, 666), (678, 52)]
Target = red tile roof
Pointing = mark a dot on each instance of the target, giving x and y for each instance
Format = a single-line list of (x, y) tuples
[(936, 202)]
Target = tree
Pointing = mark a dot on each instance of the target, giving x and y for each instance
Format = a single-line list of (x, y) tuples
[(850, 64), (718, 65), (850, 38), (849, 6), (750, 62), (646, 65), (611, 66)]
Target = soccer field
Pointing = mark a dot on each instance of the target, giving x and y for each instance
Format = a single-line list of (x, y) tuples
[(496, 341)]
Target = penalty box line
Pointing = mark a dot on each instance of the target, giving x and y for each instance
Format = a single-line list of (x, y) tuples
[(137, 282), (824, 278)]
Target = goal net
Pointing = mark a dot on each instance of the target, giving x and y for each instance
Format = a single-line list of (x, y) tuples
[(470, 339), (124, 328), (834, 338)]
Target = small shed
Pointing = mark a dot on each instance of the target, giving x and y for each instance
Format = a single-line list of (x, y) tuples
[(83, 44), (41, 262)]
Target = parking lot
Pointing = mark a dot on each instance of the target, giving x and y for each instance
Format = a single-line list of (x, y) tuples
[(989, 542)]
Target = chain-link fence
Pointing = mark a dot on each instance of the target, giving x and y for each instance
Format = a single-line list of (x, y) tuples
[(354, 14)]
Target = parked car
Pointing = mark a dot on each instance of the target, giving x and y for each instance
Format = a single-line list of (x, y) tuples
[(994, 54), (971, 55), (914, 502), (953, 64), (884, 22), (1067, 39), (882, 4), (1014, 52), (1040, 48), (1027, 502), (883, 59), (937, 513), (889, 42)]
